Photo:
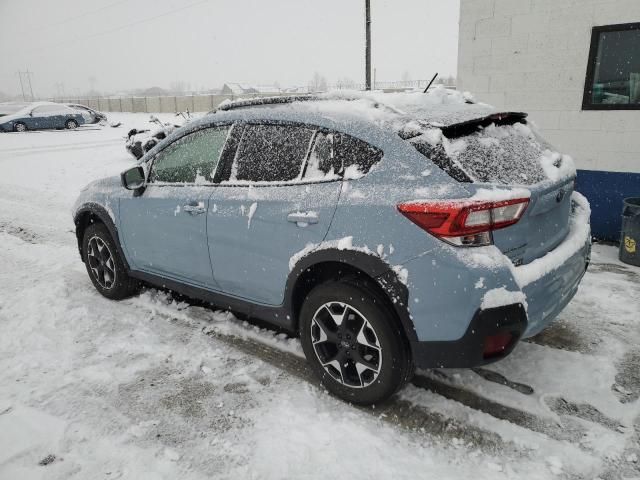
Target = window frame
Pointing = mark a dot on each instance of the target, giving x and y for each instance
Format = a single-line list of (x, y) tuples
[(591, 68), (150, 163)]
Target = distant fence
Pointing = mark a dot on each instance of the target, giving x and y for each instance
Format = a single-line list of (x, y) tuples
[(168, 104), (201, 102)]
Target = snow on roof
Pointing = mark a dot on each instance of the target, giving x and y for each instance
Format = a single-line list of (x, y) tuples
[(436, 108)]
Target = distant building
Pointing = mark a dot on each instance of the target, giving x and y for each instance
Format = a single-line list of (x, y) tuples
[(574, 66), (245, 89), (154, 92)]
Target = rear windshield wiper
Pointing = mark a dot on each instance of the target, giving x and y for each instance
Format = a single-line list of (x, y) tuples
[(467, 128)]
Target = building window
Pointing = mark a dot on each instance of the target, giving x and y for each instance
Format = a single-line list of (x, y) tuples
[(613, 73)]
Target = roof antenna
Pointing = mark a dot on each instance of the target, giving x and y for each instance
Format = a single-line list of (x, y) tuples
[(432, 80)]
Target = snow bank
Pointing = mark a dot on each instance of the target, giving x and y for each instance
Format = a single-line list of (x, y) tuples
[(579, 235)]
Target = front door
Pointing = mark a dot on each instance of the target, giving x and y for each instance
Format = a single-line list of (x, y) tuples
[(270, 209), (164, 230)]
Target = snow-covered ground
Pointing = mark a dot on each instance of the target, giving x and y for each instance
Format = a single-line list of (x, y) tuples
[(157, 388)]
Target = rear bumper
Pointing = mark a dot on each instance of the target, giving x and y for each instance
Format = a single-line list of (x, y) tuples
[(469, 350), (459, 297), (550, 282), (550, 294)]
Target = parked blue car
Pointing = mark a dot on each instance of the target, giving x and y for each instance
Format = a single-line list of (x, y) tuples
[(390, 231), (41, 116)]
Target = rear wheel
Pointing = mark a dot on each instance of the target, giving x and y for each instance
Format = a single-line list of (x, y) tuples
[(104, 265), (20, 127), (71, 124), (353, 342)]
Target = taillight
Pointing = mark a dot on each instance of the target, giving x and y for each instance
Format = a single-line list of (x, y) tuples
[(495, 345), (464, 222)]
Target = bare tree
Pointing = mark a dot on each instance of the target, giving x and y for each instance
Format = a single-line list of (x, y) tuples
[(318, 83), (177, 86), (345, 83)]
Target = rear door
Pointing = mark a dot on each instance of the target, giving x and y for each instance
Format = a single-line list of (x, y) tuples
[(512, 156), (164, 230), (543, 226), (271, 207)]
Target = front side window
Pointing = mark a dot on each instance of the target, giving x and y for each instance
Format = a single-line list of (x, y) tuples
[(613, 73), (271, 153), (192, 158)]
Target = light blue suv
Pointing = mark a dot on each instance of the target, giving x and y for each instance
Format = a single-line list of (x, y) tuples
[(390, 231)]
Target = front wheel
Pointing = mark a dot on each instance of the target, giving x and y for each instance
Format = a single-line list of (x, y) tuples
[(20, 127), (71, 124), (353, 342), (104, 265)]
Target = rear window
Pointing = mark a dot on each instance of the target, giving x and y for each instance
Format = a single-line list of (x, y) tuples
[(507, 154)]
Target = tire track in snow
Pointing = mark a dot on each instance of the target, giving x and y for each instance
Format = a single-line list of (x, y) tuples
[(401, 412)]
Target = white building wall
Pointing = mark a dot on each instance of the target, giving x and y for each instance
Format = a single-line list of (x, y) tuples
[(531, 55)]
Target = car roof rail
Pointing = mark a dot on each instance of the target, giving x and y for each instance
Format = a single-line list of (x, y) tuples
[(257, 102)]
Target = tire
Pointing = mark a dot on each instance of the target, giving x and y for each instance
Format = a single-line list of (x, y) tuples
[(104, 265), (369, 334), (71, 124), (19, 127)]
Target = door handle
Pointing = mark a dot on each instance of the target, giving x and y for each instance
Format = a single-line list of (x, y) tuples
[(303, 217), (194, 208)]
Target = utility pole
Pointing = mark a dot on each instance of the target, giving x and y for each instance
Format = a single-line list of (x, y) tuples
[(367, 6), (21, 85), (28, 74)]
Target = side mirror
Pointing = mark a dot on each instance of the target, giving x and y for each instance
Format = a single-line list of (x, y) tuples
[(31, 114), (133, 179)]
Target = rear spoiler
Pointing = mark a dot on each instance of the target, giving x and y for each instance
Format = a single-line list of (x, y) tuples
[(466, 128)]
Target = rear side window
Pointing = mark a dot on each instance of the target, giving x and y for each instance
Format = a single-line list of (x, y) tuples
[(354, 153), (271, 153), (191, 159), (335, 153)]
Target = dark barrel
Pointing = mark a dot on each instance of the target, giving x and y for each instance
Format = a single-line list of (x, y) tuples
[(630, 241)]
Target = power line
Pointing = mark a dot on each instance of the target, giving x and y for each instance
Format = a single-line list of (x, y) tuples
[(121, 27), (90, 12)]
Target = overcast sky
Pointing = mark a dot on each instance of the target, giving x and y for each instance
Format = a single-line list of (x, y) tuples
[(126, 44)]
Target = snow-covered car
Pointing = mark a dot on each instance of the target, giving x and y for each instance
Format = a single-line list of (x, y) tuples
[(140, 141), (41, 116), (389, 231), (90, 115)]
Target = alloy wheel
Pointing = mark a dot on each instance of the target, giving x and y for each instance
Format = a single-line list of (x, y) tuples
[(346, 344), (101, 262), (21, 127)]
